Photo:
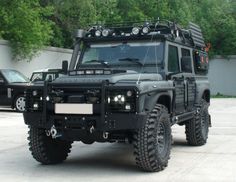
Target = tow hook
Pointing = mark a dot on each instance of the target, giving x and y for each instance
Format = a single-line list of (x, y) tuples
[(91, 129), (54, 133), (105, 135)]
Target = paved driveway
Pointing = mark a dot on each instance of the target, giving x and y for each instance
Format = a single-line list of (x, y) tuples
[(215, 161)]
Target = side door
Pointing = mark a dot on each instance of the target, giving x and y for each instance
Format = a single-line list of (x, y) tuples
[(189, 78), (3, 92), (173, 68)]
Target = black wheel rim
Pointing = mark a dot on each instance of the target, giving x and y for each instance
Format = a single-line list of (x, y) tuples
[(161, 142)]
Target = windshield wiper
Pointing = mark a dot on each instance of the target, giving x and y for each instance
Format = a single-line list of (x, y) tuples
[(133, 60), (102, 62)]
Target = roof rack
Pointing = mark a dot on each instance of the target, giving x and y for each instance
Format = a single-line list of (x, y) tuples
[(192, 35)]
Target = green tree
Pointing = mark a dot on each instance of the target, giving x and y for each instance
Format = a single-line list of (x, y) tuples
[(24, 23)]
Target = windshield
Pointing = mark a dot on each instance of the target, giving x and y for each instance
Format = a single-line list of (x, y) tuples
[(143, 53), (13, 76)]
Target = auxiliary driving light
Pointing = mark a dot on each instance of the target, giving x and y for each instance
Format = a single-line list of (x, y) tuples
[(145, 30), (105, 32), (135, 30), (98, 33)]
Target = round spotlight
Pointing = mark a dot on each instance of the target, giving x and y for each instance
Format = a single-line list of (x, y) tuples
[(129, 93), (98, 33), (105, 32), (135, 31), (145, 30)]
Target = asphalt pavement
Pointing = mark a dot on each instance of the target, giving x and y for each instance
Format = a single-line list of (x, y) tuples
[(215, 161)]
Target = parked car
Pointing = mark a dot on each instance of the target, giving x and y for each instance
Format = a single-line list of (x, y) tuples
[(46, 74), (12, 86)]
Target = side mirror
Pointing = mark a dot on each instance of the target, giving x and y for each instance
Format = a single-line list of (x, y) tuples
[(186, 64), (65, 66)]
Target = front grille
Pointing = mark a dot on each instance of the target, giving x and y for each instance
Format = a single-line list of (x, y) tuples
[(76, 95)]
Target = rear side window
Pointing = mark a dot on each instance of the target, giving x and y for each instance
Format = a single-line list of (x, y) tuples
[(173, 59), (185, 52)]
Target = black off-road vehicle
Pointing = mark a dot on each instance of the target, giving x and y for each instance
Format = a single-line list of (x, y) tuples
[(125, 82)]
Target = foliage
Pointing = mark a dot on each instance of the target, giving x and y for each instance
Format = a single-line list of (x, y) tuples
[(24, 24), (30, 24)]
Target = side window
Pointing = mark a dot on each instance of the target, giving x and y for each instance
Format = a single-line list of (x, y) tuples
[(185, 52), (173, 59)]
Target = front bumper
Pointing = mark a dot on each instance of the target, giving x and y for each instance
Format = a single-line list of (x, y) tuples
[(102, 118), (112, 122)]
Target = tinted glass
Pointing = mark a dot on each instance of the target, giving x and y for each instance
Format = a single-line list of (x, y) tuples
[(144, 52), (185, 52), (13, 76), (173, 59), (37, 77)]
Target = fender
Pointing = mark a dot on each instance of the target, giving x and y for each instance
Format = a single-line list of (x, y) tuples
[(152, 99)]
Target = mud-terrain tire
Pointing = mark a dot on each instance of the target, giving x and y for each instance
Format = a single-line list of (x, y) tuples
[(152, 143), (197, 128), (45, 149)]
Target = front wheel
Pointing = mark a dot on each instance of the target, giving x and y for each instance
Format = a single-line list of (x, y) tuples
[(152, 143), (45, 149)]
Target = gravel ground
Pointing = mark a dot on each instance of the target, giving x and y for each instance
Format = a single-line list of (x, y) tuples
[(216, 161)]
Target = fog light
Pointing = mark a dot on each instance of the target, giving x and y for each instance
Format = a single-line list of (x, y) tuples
[(127, 107), (36, 106), (35, 93), (47, 98)]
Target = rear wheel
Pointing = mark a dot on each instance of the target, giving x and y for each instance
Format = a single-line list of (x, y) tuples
[(197, 129), (20, 103), (152, 143), (45, 149)]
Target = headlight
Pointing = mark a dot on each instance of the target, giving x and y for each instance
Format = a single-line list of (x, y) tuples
[(121, 100)]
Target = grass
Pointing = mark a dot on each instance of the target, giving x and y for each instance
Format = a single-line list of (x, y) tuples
[(222, 96)]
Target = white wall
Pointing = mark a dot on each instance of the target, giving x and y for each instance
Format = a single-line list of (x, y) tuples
[(49, 57), (222, 75)]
